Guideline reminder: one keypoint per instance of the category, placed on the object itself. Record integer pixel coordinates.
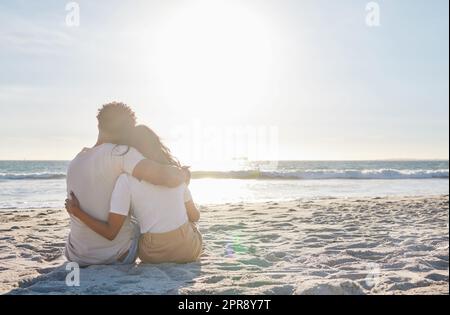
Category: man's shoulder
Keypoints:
(88, 155)
(115, 149)
(109, 148)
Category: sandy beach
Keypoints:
(327, 246)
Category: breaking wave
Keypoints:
(287, 175)
(326, 174)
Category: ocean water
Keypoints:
(41, 184)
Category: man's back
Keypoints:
(91, 177)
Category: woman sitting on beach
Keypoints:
(165, 216)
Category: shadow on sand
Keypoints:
(120, 279)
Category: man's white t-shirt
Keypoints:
(158, 209)
(91, 176)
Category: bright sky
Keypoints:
(311, 76)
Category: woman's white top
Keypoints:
(158, 209)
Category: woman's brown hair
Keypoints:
(146, 141)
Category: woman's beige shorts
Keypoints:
(182, 245)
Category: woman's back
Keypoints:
(158, 209)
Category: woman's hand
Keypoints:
(72, 205)
(108, 229)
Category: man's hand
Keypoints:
(72, 205)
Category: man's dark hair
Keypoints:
(117, 119)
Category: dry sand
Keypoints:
(328, 246)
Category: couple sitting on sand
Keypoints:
(129, 175)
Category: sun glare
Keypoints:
(213, 54)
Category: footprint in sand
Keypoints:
(45, 270)
(11, 256)
(340, 261)
(256, 262)
(443, 257)
(280, 290)
(437, 277)
(25, 255)
(438, 264)
(229, 267)
(28, 246)
(214, 279)
(277, 256)
(6, 238)
(366, 254)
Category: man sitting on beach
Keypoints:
(91, 177)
